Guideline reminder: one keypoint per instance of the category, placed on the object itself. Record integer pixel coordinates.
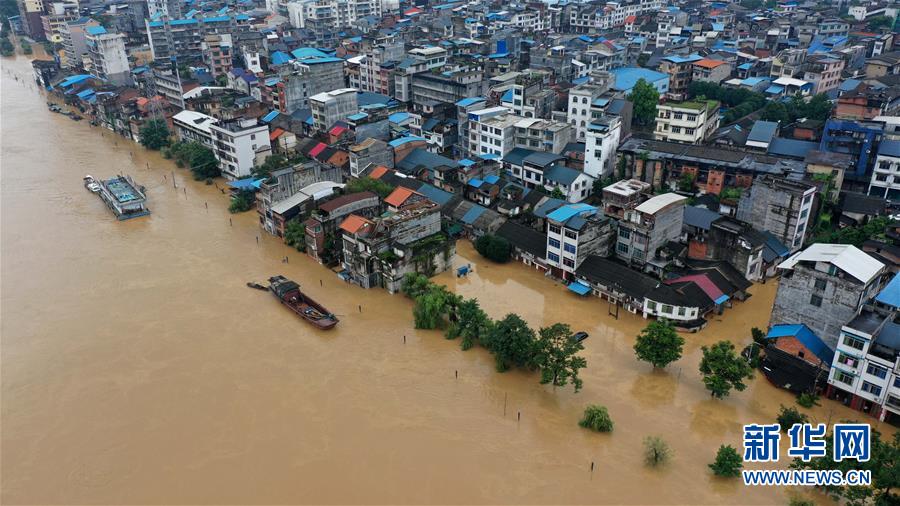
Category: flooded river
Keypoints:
(138, 369)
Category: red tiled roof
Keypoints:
(276, 134)
(338, 130)
(398, 196)
(378, 172)
(708, 63)
(318, 149)
(630, 19)
(354, 223)
(701, 280)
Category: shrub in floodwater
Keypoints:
(796, 501)
(656, 451)
(787, 417)
(596, 418)
(728, 462)
(808, 400)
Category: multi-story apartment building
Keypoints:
(648, 227)
(601, 140)
(686, 122)
(578, 114)
(217, 54)
(183, 38)
(376, 69)
(170, 9)
(865, 373)
(542, 134)
(330, 107)
(370, 152)
(30, 12)
(529, 95)
(885, 180)
(109, 60)
(467, 147)
(574, 232)
(680, 70)
(713, 71)
(331, 14)
(592, 16)
(825, 286)
(448, 87)
(304, 78)
(824, 72)
(74, 41)
(492, 131)
(239, 145)
(780, 205)
(58, 15)
(668, 23)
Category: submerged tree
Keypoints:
(493, 247)
(295, 235)
(154, 134)
(659, 344)
(656, 451)
(512, 342)
(471, 324)
(728, 463)
(723, 369)
(596, 418)
(555, 356)
(414, 284)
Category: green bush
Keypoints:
(493, 248)
(656, 451)
(788, 416)
(596, 418)
(728, 462)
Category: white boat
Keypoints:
(93, 187)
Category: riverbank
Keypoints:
(156, 376)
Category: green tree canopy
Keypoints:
(659, 344)
(414, 284)
(197, 157)
(788, 416)
(295, 234)
(723, 369)
(728, 463)
(376, 186)
(154, 134)
(556, 356)
(471, 323)
(512, 342)
(656, 451)
(493, 247)
(596, 418)
(644, 97)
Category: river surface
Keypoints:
(138, 369)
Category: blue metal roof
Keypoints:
(302, 53)
(358, 116)
(473, 214)
(891, 293)
(475, 182)
(246, 184)
(565, 212)
(627, 77)
(508, 96)
(280, 58)
(489, 156)
(578, 288)
(806, 336)
(763, 131)
(85, 93)
(398, 117)
(435, 194)
(465, 162)
(466, 102)
(492, 179)
(96, 30)
(270, 116)
(775, 89)
(69, 81)
(403, 140)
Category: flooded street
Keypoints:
(138, 369)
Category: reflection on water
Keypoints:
(137, 368)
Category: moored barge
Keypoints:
(289, 293)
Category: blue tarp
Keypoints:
(891, 293)
(246, 184)
(579, 288)
(721, 300)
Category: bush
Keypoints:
(596, 418)
(787, 417)
(656, 451)
(808, 400)
(242, 202)
(493, 248)
(728, 462)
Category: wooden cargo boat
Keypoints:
(289, 293)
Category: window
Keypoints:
(843, 377)
(815, 300)
(877, 371)
(571, 235)
(871, 388)
(554, 243)
(897, 382)
(666, 308)
(584, 100)
(568, 262)
(574, 111)
(622, 248)
(852, 342)
(681, 311)
(651, 305)
(821, 284)
(553, 257)
(555, 229)
(570, 248)
(847, 360)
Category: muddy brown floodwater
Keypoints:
(138, 369)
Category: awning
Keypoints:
(579, 288)
(721, 300)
